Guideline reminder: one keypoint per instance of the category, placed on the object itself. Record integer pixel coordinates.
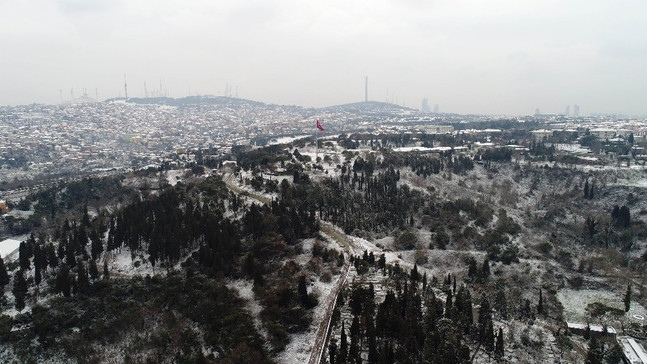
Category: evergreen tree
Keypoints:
(63, 283)
(343, 346)
(485, 269)
(381, 262)
(94, 270)
(97, 244)
(86, 217)
(52, 259)
(501, 303)
(332, 350)
(627, 298)
(499, 349)
(424, 282)
(587, 332)
(23, 256)
(485, 314)
(472, 269)
(40, 263)
(4, 276)
(106, 271)
(415, 276)
(488, 340)
(614, 355)
(540, 305)
(302, 290)
(372, 340)
(82, 281)
(586, 189)
(595, 354)
(19, 289)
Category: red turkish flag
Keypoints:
(319, 126)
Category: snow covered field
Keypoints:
(576, 301)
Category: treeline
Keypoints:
(415, 322)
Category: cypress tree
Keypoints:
(94, 270)
(614, 354)
(540, 305)
(499, 350)
(302, 293)
(472, 269)
(4, 276)
(485, 314)
(627, 298)
(63, 283)
(332, 350)
(485, 269)
(343, 346)
(106, 271)
(19, 289)
(83, 283)
(489, 337)
(23, 256)
(52, 259)
(97, 244)
(595, 354)
(372, 340)
(415, 276)
(501, 303)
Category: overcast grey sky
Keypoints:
(479, 56)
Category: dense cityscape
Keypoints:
(89, 137)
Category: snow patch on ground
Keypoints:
(245, 291)
(300, 347)
(575, 302)
(174, 176)
(122, 264)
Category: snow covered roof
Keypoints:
(8, 246)
(594, 328)
(634, 352)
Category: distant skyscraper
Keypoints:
(568, 110)
(436, 108)
(425, 106)
(366, 89)
(576, 110)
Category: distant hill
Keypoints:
(368, 107)
(192, 100)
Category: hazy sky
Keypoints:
(480, 56)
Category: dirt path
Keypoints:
(319, 346)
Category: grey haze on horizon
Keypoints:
(468, 56)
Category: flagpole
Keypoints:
(316, 144)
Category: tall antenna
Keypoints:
(366, 89)
(145, 90)
(125, 87)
